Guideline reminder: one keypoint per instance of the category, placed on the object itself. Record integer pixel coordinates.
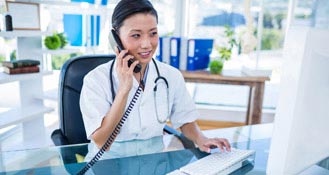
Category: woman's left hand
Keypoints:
(206, 144)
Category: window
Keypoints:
(207, 19)
(311, 13)
(166, 16)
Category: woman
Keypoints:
(108, 90)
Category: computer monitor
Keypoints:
(301, 124)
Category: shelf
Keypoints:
(6, 78)
(83, 8)
(61, 51)
(49, 95)
(24, 33)
(71, 7)
(20, 115)
(69, 50)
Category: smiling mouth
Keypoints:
(145, 54)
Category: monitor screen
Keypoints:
(301, 125)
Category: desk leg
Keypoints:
(250, 106)
(258, 95)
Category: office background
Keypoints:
(191, 19)
(194, 19)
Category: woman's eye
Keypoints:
(154, 33)
(135, 35)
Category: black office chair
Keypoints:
(72, 130)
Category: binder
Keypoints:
(165, 50)
(198, 54)
(94, 29)
(174, 51)
(183, 54)
(78, 28)
(74, 29)
(159, 50)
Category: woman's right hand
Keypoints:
(125, 73)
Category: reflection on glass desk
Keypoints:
(50, 160)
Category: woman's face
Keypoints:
(139, 34)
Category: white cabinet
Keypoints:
(30, 46)
(31, 109)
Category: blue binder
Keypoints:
(95, 25)
(174, 51)
(104, 2)
(164, 49)
(198, 55)
(73, 28)
(159, 50)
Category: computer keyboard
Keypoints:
(218, 163)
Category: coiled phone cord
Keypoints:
(113, 135)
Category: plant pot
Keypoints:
(216, 66)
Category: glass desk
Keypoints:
(60, 160)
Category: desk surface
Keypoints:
(49, 160)
(227, 75)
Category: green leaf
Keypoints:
(225, 53)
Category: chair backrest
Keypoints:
(70, 84)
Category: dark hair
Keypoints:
(126, 8)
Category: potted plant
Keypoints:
(216, 66)
(225, 52)
(56, 41)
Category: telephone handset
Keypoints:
(138, 67)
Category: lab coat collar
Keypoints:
(115, 76)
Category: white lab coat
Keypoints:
(142, 123)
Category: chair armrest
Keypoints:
(58, 138)
(187, 143)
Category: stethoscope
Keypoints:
(160, 79)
